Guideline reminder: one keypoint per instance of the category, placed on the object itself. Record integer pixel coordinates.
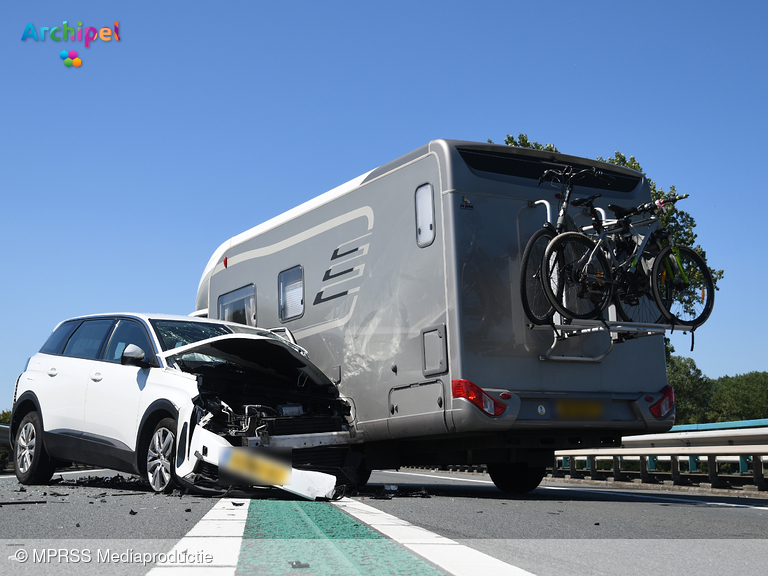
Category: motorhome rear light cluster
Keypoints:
(664, 406)
(478, 397)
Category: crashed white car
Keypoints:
(181, 401)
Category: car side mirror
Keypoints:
(133, 356)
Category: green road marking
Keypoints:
(316, 533)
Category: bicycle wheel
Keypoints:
(634, 300)
(535, 303)
(576, 277)
(683, 288)
(638, 308)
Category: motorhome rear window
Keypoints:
(239, 306)
(532, 168)
(291, 293)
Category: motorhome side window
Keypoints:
(290, 288)
(239, 306)
(425, 215)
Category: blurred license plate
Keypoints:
(576, 409)
(255, 467)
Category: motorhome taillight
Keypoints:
(478, 397)
(664, 405)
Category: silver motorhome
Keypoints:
(403, 286)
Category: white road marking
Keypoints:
(213, 544)
(600, 490)
(451, 556)
(665, 498)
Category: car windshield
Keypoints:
(176, 333)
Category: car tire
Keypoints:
(31, 461)
(516, 478)
(160, 453)
(363, 475)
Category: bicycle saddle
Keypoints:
(585, 201)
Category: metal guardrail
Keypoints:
(747, 440)
(744, 443)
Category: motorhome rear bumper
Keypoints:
(538, 411)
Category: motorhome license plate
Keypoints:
(578, 409)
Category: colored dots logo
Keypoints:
(70, 58)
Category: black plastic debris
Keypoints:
(298, 564)
(133, 512)
(389, 491)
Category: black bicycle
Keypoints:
(536, 304)
(634, 264)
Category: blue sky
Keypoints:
(121, 177)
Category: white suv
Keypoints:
(169, 397)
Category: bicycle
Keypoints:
(653, 278)
(536, 305)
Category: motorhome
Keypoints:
(402, 284)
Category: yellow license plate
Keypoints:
(256, 467)
(577, 409)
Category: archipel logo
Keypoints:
(68, 33)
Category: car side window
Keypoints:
(128, 332)
(59, 338)
(88, 339)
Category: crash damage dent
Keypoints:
(275, 399)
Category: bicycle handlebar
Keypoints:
(661, 204)
(570, 176)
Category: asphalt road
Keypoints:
(557, 529)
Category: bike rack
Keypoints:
(618, 330)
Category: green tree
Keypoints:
(740, 397)
(523, 142)
(693, 390)
(5, 417)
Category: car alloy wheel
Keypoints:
(160, 457)
(25, 447)
(31, 461)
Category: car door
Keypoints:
(114, 391)
(62, 399)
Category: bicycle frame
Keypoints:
(604, 242)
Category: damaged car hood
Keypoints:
(248, 353)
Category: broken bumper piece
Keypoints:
(213, 461)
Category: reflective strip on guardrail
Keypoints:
(751, 441)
